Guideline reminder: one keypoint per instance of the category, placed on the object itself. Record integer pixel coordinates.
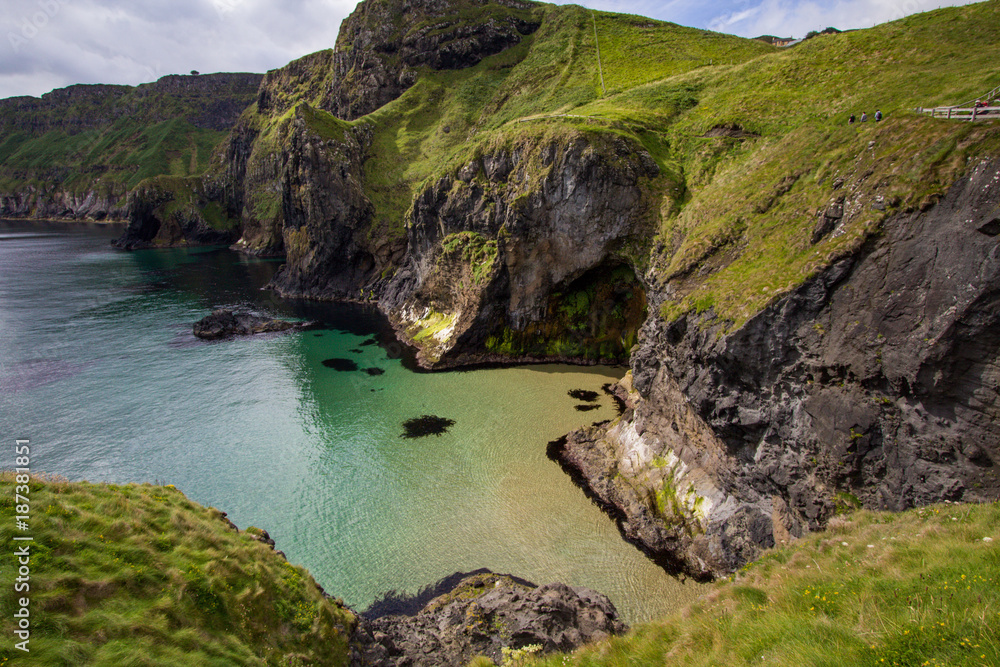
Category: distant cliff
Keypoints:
(77, 151)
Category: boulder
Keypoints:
(224, 323)
(483, 614)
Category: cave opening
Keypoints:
(593, 317)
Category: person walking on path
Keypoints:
(850, 121)
(878, 116)
(864, 117)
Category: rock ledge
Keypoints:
(483, 614)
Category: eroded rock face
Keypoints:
(169, 212)
(483, 614)
(879, 379)
(58, 204)
(526, 222)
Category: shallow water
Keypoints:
(99, 369)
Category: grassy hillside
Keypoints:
(140, 575)
(741, 204)
(123, 154)
(449, 116)
(752, 141)
(917, 588)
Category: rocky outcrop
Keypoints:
(170, 211)
(381, 45)
(223, 323)
(483, 614)
(57, 204)
(875, 382)
(509, 254)
(306, 202)
(211, 101)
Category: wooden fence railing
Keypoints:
(971, 113)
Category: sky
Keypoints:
(47, 44)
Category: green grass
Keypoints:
(450, 117)
(475, 250)
(916, 588)
(636, 50)
(735, 213)
(140, 575)
(740, 210)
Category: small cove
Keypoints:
(101, 371)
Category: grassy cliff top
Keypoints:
(752, 140)
(917, 588)
(140, 575)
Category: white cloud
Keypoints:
(46, 44)
(725, 22)
(796, 17)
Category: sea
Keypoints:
(100, 370)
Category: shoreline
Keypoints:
(68, 221)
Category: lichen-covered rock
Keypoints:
(483, 614)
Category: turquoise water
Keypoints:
(100, 371)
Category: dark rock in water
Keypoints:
(374, 371)
(618, 395)
(587, 407)
(370, 341)
(225, 323)
(583, 395)
(418, 427)
(481, 615)
(318, 335)
(356, 351)
(344, 365)
(555, 447)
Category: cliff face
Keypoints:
(874, 383)
(76, 152)
(32, 201)
(210, 101)
(512, 257)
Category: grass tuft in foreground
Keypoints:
(140, 575)
(917, 588)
